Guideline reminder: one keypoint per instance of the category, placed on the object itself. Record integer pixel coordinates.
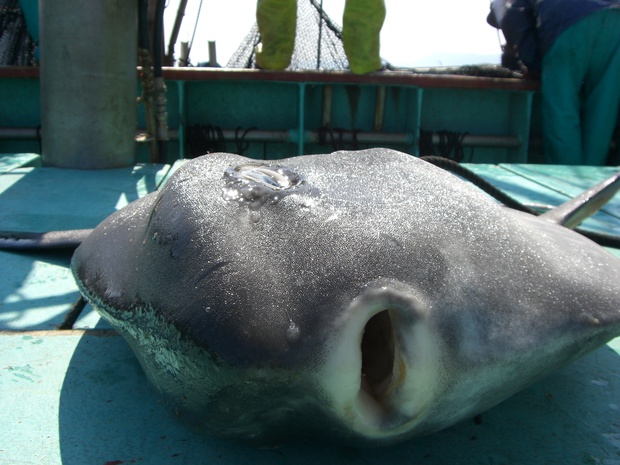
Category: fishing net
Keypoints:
(16, 46)
(318, 45)
(481, 70)
(245, 57)
(318, 42)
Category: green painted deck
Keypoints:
(79, 396)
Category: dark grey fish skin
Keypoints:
(367, 297)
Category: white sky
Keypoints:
(415, 32)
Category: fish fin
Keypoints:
(573, 212)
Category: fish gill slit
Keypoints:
(378, 354)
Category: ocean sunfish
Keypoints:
(367, 297)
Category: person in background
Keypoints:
(573, 46)
(362, 22)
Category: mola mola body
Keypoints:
(364, 296)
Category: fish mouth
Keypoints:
(378, 356)
(381, 369)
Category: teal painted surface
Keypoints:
(484, 113)
(298, 107)
(20, 108)
(80, 397)
(549, 185)
(40, 199)
(37, 290)
(21, 105)
(30, 8)
(11, 161)
(283, 106)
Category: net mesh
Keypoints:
(480, 70)
(318, 42)
(16, 46)
(318, 45)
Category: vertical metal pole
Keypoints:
(419, 95)
(213, 54)
(301, 118)
(183, 54)
(379, 108)
(326, 119)
(182, 118)
(161, 113)
(413, 101)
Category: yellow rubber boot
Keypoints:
(361, 28)
(277, 20)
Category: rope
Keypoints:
(478, 181)
(450, 144)
(338, 143)
(240, 142)
(203, 139)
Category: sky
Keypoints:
(416, 33)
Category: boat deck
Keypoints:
(79, 396)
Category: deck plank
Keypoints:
(43, 199)
(39, 290)
(11, 161)
(569, 180)
(551, 186)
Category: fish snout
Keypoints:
(381, 373)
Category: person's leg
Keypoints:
(361, 28)
(563, 68)
(276, 20)
(601, 86)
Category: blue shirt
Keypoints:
(534, 25)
